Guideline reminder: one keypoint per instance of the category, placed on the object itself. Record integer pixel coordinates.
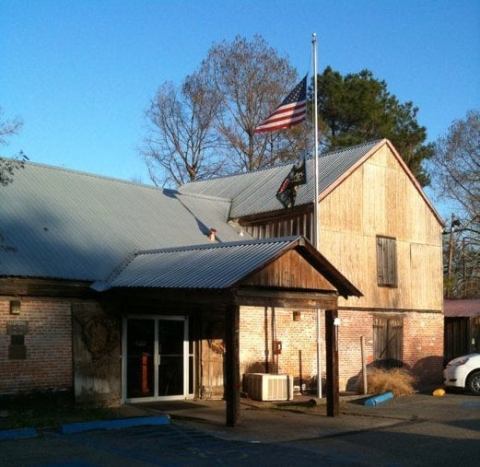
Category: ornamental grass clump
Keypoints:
(399, 381)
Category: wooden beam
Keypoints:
(282, 298)
(232, 364)
(35, 287)
(331, 343)
(173, 298)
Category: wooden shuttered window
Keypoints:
(388, 342)
(386, 261)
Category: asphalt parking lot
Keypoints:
(171, 445)
(417, 430)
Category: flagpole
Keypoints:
(316, 233)
(316, 236)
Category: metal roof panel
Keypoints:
(63, 224)
(211, 266)
(254, 192)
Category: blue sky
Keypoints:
(81, 73)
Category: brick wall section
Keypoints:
(423, 350)
(354, 324)
(49, 347)
(422, 344)
(298, 356)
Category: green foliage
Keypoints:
(8, 166)
(358, 107)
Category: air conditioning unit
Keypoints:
(266, 387)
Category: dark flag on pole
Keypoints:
(287, 192)
(290, 112)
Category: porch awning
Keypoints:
(216, 266)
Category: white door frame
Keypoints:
(186, 359)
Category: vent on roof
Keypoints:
(212, 234)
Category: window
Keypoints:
(386, 261)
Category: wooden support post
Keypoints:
(232, 364)
(364, 366)
(331, 344)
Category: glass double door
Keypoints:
(158, 359)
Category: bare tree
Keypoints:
(456, 176)
(251, 79)
(456, 165)
(462, 261)
(9, 128)
(181, 144)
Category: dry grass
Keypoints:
(399, 381)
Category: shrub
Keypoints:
(399, 381)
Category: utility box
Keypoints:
(267, 387)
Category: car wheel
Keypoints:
(473, 383)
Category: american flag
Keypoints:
(290, 112)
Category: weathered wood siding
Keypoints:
(380, 199)
(377, 199)
(96, 354)
(290, 271)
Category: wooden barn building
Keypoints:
(125, 292)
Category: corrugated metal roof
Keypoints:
(458, 308)
(254, 192)
(63, 224)
(211, 266)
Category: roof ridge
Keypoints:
(203, 196)
(207, 246)
(283, 164)
(94, 175)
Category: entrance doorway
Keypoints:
(157, 359)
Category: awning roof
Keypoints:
(462, 308)
(215, 266)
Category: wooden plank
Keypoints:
(379, 338)
(232, 370)
(173, 298)
(250, 296)
(33, 287)
(96, 350)
(380, 262)
(395, 341)
(392, 261)
(331, 344)
(290, 271)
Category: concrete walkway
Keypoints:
(267, 422)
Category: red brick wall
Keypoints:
(423, 350)
(298, 339)
(353, 325)
(422, 344)
(49, 347)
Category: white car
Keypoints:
(464, 372)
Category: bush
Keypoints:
(399, 381)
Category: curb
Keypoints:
(80, 427)
(18, 433)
